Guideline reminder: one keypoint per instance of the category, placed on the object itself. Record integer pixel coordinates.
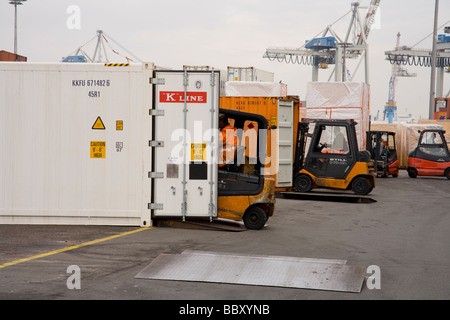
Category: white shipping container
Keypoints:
(77, 143)
(188, 187)
(223, 75)
(249, 74)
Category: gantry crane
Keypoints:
(100, 53)
(416, 57)
(390, 110)
(322, 51)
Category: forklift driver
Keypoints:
(339, 143)
(227, 141)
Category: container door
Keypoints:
(185, 140)
(285, 143)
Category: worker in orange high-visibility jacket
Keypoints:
(227, 140)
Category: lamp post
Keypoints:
(15, 3)
(433, 63)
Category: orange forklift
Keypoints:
(333, 159)
(431, 156)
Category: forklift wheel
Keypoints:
(302, 183)
(361, 186)
(255, 218)
(412, 173)
(447, 173)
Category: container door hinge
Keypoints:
(155, 206)
(156, 175)
(155, 144)
(157, 81)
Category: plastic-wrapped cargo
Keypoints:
(445, 125)
(340, 100)
(255, 89)
(407, 135)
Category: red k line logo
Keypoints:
(178, 97)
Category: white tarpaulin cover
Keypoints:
(255, 89)
(340, 100)
(337, 95)
(406, 136)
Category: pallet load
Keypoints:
(340, 101)
(407, 135)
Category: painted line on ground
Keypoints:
(46, 254)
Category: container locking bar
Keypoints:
(156, 175)
(157, 81)
(156, 112)
(155, 144)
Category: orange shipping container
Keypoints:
(8, 56)
(282, 115)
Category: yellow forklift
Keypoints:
(333, 159)
(245, 194)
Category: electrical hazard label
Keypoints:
(98, 124)
(198, 151)
(98, 149)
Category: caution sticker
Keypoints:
(198, 151)
(98, 124)
(98, 149)
(273, 121)
(119, 125)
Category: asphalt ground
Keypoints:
(405, 234)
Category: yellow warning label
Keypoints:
(198, 151)
(273, 121)
(119, 125)
(98, 124)
(98, 149)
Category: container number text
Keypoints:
(91, 83)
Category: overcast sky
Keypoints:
(173, 33)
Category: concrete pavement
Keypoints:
(405, 234)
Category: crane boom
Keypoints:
(393, 82)
(318, 53)
(368, 22)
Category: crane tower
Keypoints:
(323, 50)
(390, 110)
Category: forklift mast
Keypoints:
(302, 132)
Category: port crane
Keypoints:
(404, 55)
(100, 53)
(390, 109)
(321, 51)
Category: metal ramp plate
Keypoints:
(275, 271)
